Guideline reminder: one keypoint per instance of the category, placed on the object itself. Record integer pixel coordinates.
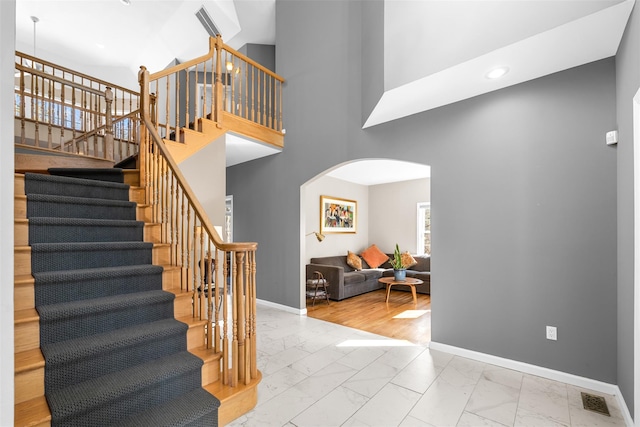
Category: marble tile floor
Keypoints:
(317, 373)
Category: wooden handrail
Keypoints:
(35, 72)
(184, 65)
(144, 77)
(190, 234)
(251, 62)
(72, 72)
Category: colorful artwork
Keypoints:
(337, 215)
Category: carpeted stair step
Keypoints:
(35, 183)
(108, 399)
(76, 319)
(54, 287)
(54, 230)
(68, 256)
(130, 162)
(75, 361)
(44, 205)
(99, 174)
(197, 408)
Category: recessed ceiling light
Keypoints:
(497, 72)
(126, 2)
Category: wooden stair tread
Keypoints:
(33, 412)
(23, 280)
(192, 321)
(206, 354)
(26, 316)
(28, 360)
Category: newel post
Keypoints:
(218, 86)
(108, 137)
(143, 79)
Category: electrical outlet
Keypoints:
(552, 333)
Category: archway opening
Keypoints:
(392, 202)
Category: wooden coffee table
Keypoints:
(409, 281)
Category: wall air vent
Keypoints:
(206, 21)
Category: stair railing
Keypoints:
(221, 276)
(220, 85)
(62, 110)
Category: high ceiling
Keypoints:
(112, 40)
(442, 49)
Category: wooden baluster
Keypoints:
(73, 112)
(238, 319)
(35, 109)
(202, 103)
(218, 85)
(254, 311)
(247, 321)
(63, 114)
(188, 245)
(280, 125)
(50, 115)
(225, 328)
(167, 113)
(108, 138)
(23, 113)
(252, 98)
(216, 319)
(96, 123)
(265, 99)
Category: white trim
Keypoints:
(636, 249)
(299, 312)
(539, 371)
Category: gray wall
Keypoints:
(523, 193)
(628, 83)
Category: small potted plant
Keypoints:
(399, 271)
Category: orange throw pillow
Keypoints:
(374, 256)
(354, 261)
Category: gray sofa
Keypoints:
(345, 282)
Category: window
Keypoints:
(424, 228)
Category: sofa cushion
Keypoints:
(335, 261)
(423, 263)
(354, 277)
(354, 261)
(374, 256)
(407, 260)
(372, 274)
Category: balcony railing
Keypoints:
(59, 109)
(220, 83)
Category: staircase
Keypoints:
(118, 320)
(102, 337)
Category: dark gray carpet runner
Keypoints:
(114, 354)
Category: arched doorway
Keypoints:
(390, 195)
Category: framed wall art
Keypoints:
(338, 215)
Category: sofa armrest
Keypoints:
(334, 276)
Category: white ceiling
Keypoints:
(445, 47)
(379, 171)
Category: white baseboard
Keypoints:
(299, 312)
(540, 372)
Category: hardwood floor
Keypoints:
(369, 312)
